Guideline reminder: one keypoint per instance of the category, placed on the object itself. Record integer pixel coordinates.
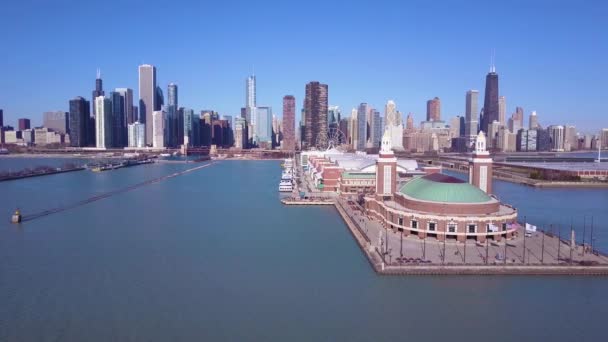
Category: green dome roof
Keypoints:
(438, 187)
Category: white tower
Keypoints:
(480, 165)
(386, 168)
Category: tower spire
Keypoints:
(493, 61)
(98, 73)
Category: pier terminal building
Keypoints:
(441, 206)
(417, 200)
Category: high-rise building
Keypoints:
(603, 141)
(570, 138)
(362, 111)
(263, 127)
(147, 98)
(433, 109)
(120, 133)
(557, 138)
(158, 129)
(103, 122)
(250, 92)
(56, 121)
(533, 121)
(526, 140)
(98, 89)
(172, 95)
(137, 133)
(409, 122)
(127, 95)
(1, 118)
(79, 121)
(470, 118)
(353, 128)
(502, 110)
(240, 133)
(333, 116)
(315, 107)
(490, 103)
(24, 124)
(377, 129)
(159, 102)
(289, 123)
(392, 124)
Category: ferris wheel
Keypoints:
(334, 138)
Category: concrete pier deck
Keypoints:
(390, 253)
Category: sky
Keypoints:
(551, 56)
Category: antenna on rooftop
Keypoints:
(98, 73)
(493, 61)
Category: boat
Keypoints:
(285, 186)
(287, 164)
(165, 155)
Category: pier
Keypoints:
(35, 173)
(389, 252)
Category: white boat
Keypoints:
(165, 155)
(288, 164)
(285, 186)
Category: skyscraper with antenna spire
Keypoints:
(490, 103)
(98, 89)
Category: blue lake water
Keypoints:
(213, 255)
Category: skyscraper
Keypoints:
(333, 116)
(409, 122)
(103, 122)
(263, 127)
(433, 109)
(119, 120)
(289, 123)
(250, 92)
(533, 121)
(470, 129)
(490, 102)
(362, 111)
(1, 118)
(127, 95)
(24, 124)
(56, 121)
(172, 95)
(159, 102)
(98, 89)
(79, 120)
(391, 115)
(158, 129)
(147, 98)
(502, 110)
(315, 107)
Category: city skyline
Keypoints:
(547, 81)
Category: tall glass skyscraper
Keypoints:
(362, 111)
(490, 103)
(79, 121)
(98, 89)
(119, 120)
(470, 118)
(147, 98)
(127, 95)
(250, 92)
(172, 95)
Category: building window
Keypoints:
(452, 228)
(488, 228)
(401, 221)
(472, 228)
(432, 226)
(504, 226)
(414, 224)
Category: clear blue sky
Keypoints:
(552, 56)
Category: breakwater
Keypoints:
(33, 216)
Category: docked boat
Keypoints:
(285, 186)
(165, 155)
(287, 164)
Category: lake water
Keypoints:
(213, 255)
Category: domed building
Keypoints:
(442, 206)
